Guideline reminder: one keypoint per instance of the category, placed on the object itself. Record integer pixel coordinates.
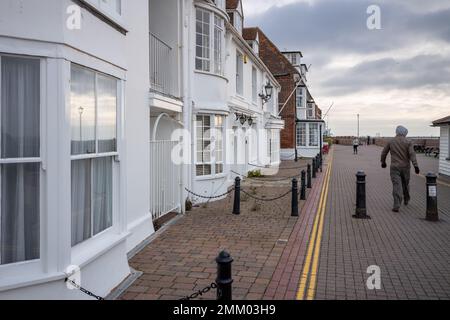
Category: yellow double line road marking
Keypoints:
(312, 256)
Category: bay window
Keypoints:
(238, 22)
(313, 134)
(218, 32)
(301, 134)
(20, 159)
(209, 144)
(239, 73)
(254, 85)
(93, 148)
(209, 38)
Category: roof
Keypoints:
(232, 4)
(250, 34)
(442, 121)
(301, 54)
(279, 66)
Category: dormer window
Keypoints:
(237, 22)
(220, 4)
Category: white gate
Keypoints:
(165, 179)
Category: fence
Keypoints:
(163, 67)
(165, 179)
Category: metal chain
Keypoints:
(200, 293)
(85, 291)
(213, 197)
(292, 168)
(267, 200)
(264, 179)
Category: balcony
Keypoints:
(163, 68)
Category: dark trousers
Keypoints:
(355, 149)
(400, 185)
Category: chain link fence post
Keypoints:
(303, 187)
(309, 177)
(294, 204)
(237, 196)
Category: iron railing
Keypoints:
(165, 179)
(163, 67)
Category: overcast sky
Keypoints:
(397, 75)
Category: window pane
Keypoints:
(20, 107)
(82, 110)
(107, 113)
(102, 194)
(81, 201)
(19, 213)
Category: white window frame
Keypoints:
(275, 146)
(310, 111)
(212, 55)
(213, 146)
(316, 134)
(218, 45)
(80, 247)
(238, 21)
(299, 98)
(106, 10)
(254, 85)
(239, 73)
(31, 267)
(302, 131)
(220, 4)
(205, 58)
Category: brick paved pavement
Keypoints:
(413, 254)
(182, 258)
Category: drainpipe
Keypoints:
(187, 89)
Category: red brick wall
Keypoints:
(284, 72)
(288, 113)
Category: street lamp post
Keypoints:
(358, 125)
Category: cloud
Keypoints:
(357, 67)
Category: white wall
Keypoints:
(444, 164)
(39, 28)
(137, 128)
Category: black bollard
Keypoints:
(237, 196)
(309, 177)
(432, 204)
(314, 168)
(318, 163)
(294, 204)
(361, 209)
(224, 277)
(303, 188)
(321, 162)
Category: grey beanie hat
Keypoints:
(401, 131)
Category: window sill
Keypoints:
(18, 282)
(207, 73)
(104, 16)
(86, 252)
(207, 178)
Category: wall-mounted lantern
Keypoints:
(267, 95)
(242, 118)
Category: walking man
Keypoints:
(402, 155)
(355, 145)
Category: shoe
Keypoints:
(396, 210)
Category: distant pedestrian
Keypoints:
(402, 155)
(355, 145)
